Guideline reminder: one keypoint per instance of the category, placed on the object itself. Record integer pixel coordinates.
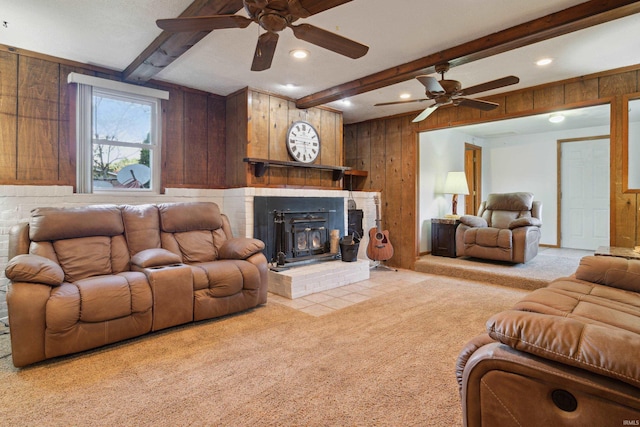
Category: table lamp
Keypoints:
(456, 183)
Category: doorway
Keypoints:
(583, 196)
(473, 171)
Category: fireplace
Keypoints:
(297, 229)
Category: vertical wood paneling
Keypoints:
(8, 113)
(521, 101)
(378, 141)
(196, 139)
(363, 130)
(236, 137)
(216, 169)
(173, 139)
(618, 84)
(329, 146)
(392, 192)
(258, 144)
(38, 88)
(581, 90)
(408, 222)
(278, 127)
(548, 97)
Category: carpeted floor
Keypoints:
(549, 264)
(387, 361)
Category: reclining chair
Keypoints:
(507, 228)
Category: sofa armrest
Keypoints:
(155, 257)
(607, 351)
(610, 271)
(240, 248)
(525, 222)
(34, 269)
(473, 221)
(471, 347)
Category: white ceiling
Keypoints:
(113, 33)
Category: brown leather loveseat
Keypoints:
(507, 228)
(90, 276)
(565, 355)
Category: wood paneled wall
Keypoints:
(374, 146)
(257, 125)
(36, 143)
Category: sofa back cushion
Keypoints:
(500, 209)
(192, 230)
(84, 241)
(141, 227)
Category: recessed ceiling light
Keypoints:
(556, 118)
(299, 53)
(346, 102)
(290, 86)
(405, 95)
(544, 61)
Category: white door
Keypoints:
(585, 194)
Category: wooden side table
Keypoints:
(443, 236)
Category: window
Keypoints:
(118, 135)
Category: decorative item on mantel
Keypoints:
(456, 183)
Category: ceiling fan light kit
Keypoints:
(451, 92)
(274, 16)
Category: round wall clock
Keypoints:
(303, 142)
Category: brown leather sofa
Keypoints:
(90, 276)
(507, 228)
(565, 355)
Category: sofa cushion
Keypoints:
(611, 271)
(510, 202)
(65, 223)
(142, 227)
(84, 257)
(181, 217)
(489, 237)
(34, 269)
(196, 246)
(156, 257)
(240, 248)
(96, 300)
(525, 222)
(608, 351)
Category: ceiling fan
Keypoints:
(273, 16)
(445, 92)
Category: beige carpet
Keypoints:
(549, 264)
(388, 361)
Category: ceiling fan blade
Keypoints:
(476, 103)
(425, 113)
(399, 102)
(494, 84)
(432, 85)
(311, 7)
(203, 23)
(265, 49)
(330, 41)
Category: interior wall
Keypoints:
(517, 163)
(441, 151)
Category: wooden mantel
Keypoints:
(261, 165)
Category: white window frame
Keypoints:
(86, 87)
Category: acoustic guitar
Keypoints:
(379, 248)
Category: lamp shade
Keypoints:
(456, 183)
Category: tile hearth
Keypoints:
(381, 282)
(309, 279)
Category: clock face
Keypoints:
(303, 142)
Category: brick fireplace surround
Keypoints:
(16, 202)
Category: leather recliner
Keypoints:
(507, 228)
